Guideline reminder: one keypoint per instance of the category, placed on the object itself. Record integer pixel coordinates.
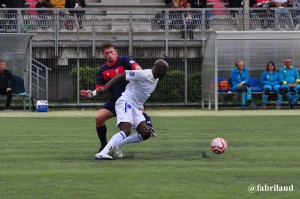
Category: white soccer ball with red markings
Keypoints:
(218, 145)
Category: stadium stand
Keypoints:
(125, 3)
(221, 19)
(33, 11)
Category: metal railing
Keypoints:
(40, 79)
(69, 40)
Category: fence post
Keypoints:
(246, 14)
(185, 59)
(130, 35)
(78, 63)
(94, 36)
(167, 32)
(56, 23)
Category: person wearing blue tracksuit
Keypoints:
(239, 82)
(270, 82)
(289, 79)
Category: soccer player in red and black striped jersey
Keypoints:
(114, 65)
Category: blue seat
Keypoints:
(19, 91)
(220, 79)
(254, 83)
(20, 87)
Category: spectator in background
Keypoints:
(296, 13)
(7, 83)
(239, 82)
(12, 14)
(289, 79)
(4, 3)
(281, 13)
(42, 13)
(168, 2)
(176, 20)
(189, 21)
(201, 4)
(270, 81)
(62, 14)
(266, 16)
(42, 4)
(235, 4)
(179, 3)
(17, 3)
(79, 13)
(57, 3)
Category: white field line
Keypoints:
(156, 113)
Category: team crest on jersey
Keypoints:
(131, 74)
(131, 61)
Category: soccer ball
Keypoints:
(218, 145)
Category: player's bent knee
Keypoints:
(100, 121)
(145, 135)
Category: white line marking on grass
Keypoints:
(153, 112)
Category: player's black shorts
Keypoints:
(110, 105)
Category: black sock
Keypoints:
(102, 135)
(148, 120)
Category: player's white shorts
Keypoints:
(128, 113)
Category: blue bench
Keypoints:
(254, 82)
(255, 88)
(19, 92)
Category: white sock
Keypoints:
(134, 138)
(113, 142)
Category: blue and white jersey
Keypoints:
(141, 85)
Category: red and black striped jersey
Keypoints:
(110, 70)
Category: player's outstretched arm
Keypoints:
(113, 81)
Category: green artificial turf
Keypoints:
(54, 158)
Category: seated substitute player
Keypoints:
(289, 79)
(240, 83)
(129, 115)
(270, 82)
(114, 65)
(7, 84)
